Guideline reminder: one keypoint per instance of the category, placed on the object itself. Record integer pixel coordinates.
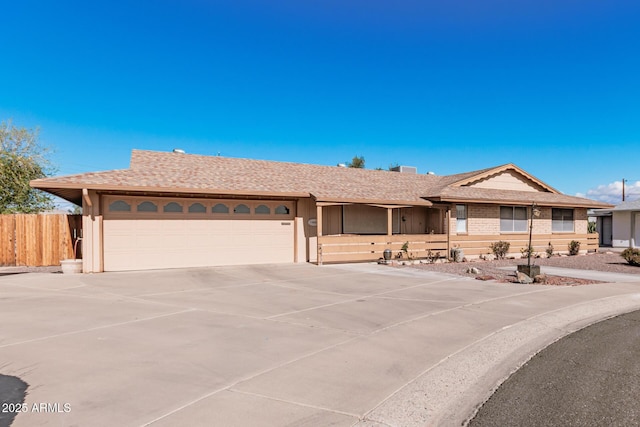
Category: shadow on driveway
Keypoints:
(12, 393)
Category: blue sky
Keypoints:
(447, 86)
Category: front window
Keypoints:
(513, 219)
(461, 218)
(561, 220)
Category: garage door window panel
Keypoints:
(262, 210)
(147, 207)
(119, 206)
(172, 207)
(241, 209)
(220, 208)
(197, 208)
(282, 210)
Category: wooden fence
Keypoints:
(479, 245)
(370, 248)
(353, 248)
(37, 240)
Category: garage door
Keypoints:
(148, 233)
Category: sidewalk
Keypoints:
(602, 276)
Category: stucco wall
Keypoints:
(621, 229)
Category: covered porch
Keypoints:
(348, 232)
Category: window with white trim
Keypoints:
(513, 219)
(561, 220)
(461, 218)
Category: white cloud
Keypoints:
(612, 193)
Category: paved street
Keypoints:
(590, 378)
(278, 345)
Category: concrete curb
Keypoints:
(450, 392)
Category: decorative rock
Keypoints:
(485, 277)
(473, 270)
(523, 278)
(540, 278)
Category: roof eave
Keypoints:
(386, 202)
(594, 205)
(55, 188)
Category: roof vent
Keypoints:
(431, 173)
(405, 169)
(178, 150)
(341, 165)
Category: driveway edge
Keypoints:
(451, 392)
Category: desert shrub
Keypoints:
(528, 252)
(574, 247)
(404, 251)
(500, 249)
(632, 256)
(432, 257)
(549, 250)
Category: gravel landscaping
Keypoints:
(490, 270)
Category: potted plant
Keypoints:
(72, 266)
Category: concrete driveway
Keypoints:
(277, 345)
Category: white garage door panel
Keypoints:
(131, 244)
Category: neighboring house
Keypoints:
(181, 210)
(619, 227)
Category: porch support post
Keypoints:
(389, 221)
(319, 232)
(448, 226)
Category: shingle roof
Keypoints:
(474, 194)
(633, 205)
(164, 172)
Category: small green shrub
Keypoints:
(632, 256)
(591, 227)
(549, 250)
(500, 249)
(404, 251)
(574, 247)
